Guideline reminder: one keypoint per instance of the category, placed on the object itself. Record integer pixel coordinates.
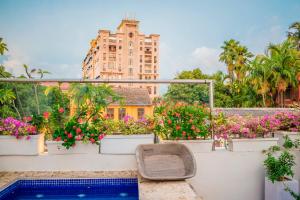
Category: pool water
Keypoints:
(61, 189)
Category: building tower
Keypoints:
(126, 54)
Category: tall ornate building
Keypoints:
(126, 54)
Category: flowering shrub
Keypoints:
(77, 130)
(288, 121)
(237, 126)
(17, 128)
(182, 121)
(127, 126)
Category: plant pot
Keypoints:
(195, 146)
(255, 144)
(10, 145)
(292, 135)
(56, 148)
(124, 144)
(275, 191)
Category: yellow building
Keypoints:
(137, 104)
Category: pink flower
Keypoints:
(46, 115)
(70, 135)
(61, 110)
(92, 140)
(28, 137)
(78, 130)
(78, 137)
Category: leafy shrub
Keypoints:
(77, 130)
(182, 121)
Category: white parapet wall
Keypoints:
(221, 174)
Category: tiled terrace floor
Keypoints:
(148, 190)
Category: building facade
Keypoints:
(126, 54)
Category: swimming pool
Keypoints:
(62, 189)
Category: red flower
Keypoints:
(189, 137)
(78, 137)
(58, 139)
(191, 121)
(92, 140)
(70, 135)
(177, 114)
(65, 140)
(46, 115)
(183, 133)
(101, 136)
(80, 120)
(66, 133)
(178, 127)
(74, 127)
(61, 110)
(92, 135)
(169, 121)
(78, 130)
(193, 127)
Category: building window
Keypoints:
(130, 35)
(141, 48)
(130, 62)
(130, 43)
(141, 69)
(149, 90)
(154, 43)
(130, 52)
(141, 43)
(154, 49)
(130, 71)
(122, 113)
(110, 113)
(141, 113)
(154, 90)
(120, 47)
(141, 77)
(154, 77)
(104, 56)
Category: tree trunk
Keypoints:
(14, 105)
(37, 99)
(264, 100)
(19, 101)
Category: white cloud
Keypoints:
(14, 61)
(207, 59)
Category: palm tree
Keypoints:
(3, 47)
(282, 59)
(294, 33)
(228, 56)
(90, 99)
(236, 57)
(259, 76)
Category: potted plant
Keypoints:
(289, 125)
(250, 133)
(279, 182)
(77, 137)
(186, 124)
(81, 132)
(123, 136)
(19, 137)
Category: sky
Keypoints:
(54, 34)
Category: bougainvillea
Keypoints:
(17, 128)
(288, 121)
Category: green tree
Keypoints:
(3, 47)
(283, 62)
(294, 33)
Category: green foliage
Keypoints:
(182, 121)
(89, 100)
(75, 130)
(278, 169)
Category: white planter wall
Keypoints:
(10, 145)
(56, 148)
(196, 146)
(292, 135)
(255, 144)
(275, 191)
(124, 144)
